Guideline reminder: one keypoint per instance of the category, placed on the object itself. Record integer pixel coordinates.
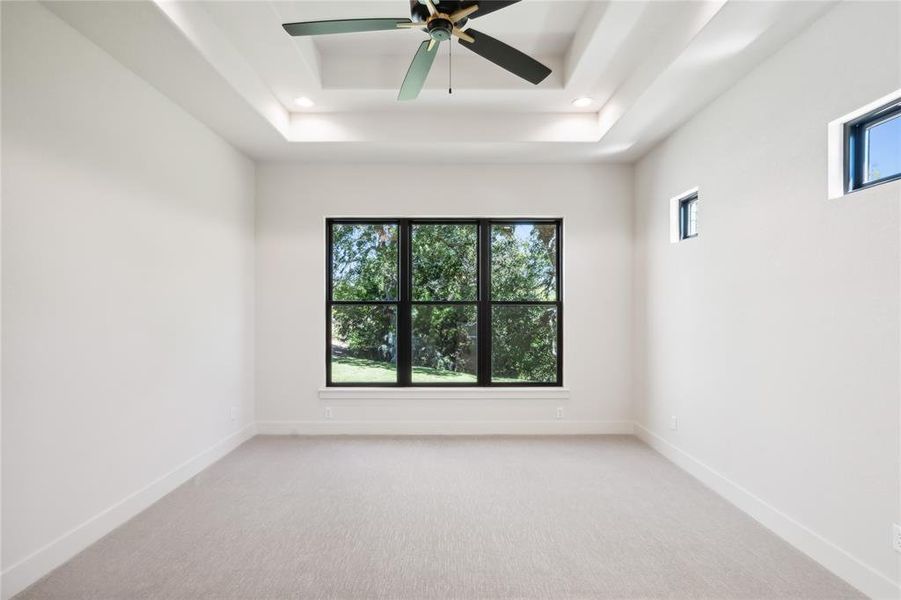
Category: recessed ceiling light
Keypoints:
(304, 102)
(582, 102)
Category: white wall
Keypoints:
(127, 293)
(128, 296)
(292, 203)
(774, 336)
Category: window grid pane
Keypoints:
(364, 261)
(688, 217)
(883, 149)
(693, 218)
(445, 261)
(364, 343)
(445, 343)
(524, 344)
(524, 261)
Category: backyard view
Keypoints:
(443, 311)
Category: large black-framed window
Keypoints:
(444, 302)
(873, 148)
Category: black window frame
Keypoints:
(855, 147)
(405, 302)
(684, 206)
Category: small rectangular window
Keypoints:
(873, 148)
(688, 217)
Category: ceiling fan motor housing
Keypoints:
(419, 12)
(440, 29)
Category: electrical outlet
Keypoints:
(674, 423)
(559, 412)
(896, 537)
(328, 412)
(233, 413)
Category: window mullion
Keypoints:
(328, 303)
(484, 341)
(559, 267)
(404, 318)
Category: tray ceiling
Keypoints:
(647, 66)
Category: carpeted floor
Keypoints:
(436, 517)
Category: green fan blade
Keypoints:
(418, 71)
(343, 26)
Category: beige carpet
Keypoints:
(418, 518)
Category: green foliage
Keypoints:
(523, 262)
(445, 262)
(524, 343)
(444, 337)
(365, 331)
(364, 262)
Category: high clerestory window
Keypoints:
(873, 147)
(688, 216)
(423, 302)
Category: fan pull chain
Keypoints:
(450, 67)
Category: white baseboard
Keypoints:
(338, 427)
(848, 567)
(30, 569)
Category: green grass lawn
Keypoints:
(361, 370)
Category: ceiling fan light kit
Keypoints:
(441, 20)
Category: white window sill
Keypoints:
(443, 393)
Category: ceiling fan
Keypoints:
(440, 20)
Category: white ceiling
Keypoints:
(647, 65)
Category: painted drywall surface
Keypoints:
(292, 204)
(127, 283)
(774, 336)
